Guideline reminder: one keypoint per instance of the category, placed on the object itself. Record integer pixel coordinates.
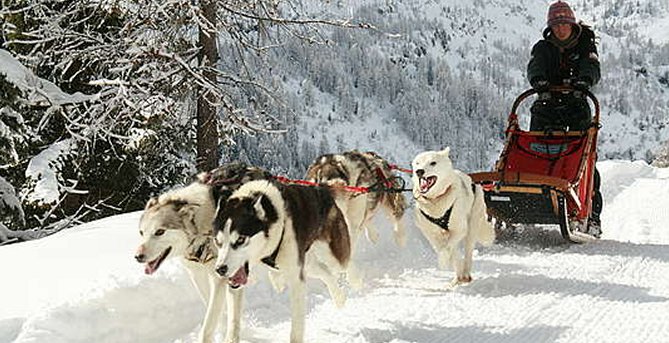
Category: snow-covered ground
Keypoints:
(82, 285)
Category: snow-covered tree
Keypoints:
(138, 72)
(661, 158)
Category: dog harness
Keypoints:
(442, 221)
(270, 260)
(201, 249)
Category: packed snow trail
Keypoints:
(82, 285)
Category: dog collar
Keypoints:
(270, 260)
(442, 222)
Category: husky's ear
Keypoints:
(257, 206)
(183, 207)
(152, 202)
(203, 177)
(264, 209)
(446, 151)
(256, 173)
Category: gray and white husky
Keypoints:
(362, 169)
(179, 224)
(297, 231)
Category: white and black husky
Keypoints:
(297, 231)
(179, 224)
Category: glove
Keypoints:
(582, 84)
(540, 85)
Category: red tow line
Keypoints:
(387, 182)
(353, 189)
(396, 167)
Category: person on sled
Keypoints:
(567, 55)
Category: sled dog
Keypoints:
(354, 168)
(450, 212)
(297, 231)
(179, 224)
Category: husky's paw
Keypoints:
(459, 281)
(372, 234)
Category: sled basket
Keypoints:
(543, 177)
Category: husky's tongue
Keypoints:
(152, 266)
(426, 183)
(240, 278)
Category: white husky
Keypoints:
(297, 231)
(450, 212)
(179, 224)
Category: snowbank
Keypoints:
(82, 285)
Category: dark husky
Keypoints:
(297, 231)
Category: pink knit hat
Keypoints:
(560, 13)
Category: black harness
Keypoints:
(442, 221)
(270, 260)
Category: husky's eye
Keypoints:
(159, 232)
(433, 163)
(141, 233)
(240, 241)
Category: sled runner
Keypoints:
(544, 177)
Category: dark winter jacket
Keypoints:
(578, 60)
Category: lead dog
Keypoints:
(296, 231)
(354, 168)
(179, 224)
(450, 212)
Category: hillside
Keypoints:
(444, 73)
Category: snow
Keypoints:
(8, 198)
(40, 92)
(82, 285)
(42, 170)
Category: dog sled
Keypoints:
(544, 177)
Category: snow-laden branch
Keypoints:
(278, 20)
(43, 170)
(105, 82)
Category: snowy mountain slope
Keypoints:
(82, 285)
(445, 73)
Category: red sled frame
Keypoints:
(544, 177)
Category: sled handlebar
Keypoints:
(558, 89)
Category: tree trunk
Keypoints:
(207, 118)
